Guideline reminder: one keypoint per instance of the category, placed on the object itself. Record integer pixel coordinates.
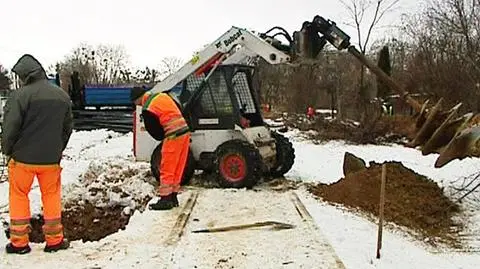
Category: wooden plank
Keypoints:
(178, 228)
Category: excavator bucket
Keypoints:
(438, 130)
(431, 123)
(465, 144)
(445, 133)
(422, 116)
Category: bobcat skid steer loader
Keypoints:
(230, 139)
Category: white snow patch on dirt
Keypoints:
(112, 182)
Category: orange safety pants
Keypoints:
(173, 161)
(21, 177)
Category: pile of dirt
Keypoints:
(411, 200)
(107, 196)
(86, 223)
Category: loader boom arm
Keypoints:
(340, 40)
(234, 46)
(392, 84)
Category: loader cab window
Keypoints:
(216, 100)
(213, 109)
(242, 93)
(245, 100)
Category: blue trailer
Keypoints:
(111, 96)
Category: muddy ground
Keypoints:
(85, 223)
(411, 200)
(108, 195)
(386, 129)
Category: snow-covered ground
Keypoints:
(352, 236)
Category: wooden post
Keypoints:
(382, 207)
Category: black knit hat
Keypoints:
(136, 92)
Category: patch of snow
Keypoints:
(274, 123)
(112, 182)
(325, 111)
(300, 247)
(355, 240)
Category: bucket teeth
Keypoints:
(432, 122)
(461, 146)
(445, 133)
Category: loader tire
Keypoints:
(237, 164)
(285, 156)
(156, 157)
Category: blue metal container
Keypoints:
(107, 95)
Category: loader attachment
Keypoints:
(438, 130)
(465, 144)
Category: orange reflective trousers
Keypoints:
(173, 161)
(21, 179)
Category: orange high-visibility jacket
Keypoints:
(162, 116)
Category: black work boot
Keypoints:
(64, 244)
(11, 249)
(164, 203)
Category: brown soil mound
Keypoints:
(411, 200)
(86, 223)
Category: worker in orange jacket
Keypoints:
(36, 129)
(164, 121)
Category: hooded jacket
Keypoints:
(37, 117)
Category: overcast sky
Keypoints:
(149, 29)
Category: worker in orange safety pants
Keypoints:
(164, 121)
(36, 129)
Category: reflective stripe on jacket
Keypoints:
(169, 116)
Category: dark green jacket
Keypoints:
(37, 120)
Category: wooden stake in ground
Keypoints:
(382, 207)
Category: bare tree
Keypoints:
(460, 19)
(103, 64)
(445, 59)
(168, 66)
(4, 80)
(358, 13)
(144, 76)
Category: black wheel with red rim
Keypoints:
(285, 157)
(238, 164)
